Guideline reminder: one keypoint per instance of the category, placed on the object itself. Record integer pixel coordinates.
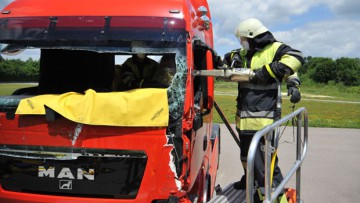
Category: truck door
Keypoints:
(203, 114)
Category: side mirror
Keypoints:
(11, 50)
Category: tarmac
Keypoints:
(329, 173)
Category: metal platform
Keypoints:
(229, 195)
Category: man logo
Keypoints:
(65, 184)
(65, 172)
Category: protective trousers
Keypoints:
(259, 162)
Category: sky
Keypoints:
(318, 28)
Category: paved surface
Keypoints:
(330, 172)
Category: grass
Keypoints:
(334, 106)
(9, 88)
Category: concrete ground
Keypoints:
(330, 172)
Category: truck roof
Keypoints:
(187, 10)
(28, 8)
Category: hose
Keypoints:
(272, 166)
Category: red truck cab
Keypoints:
(74, 138)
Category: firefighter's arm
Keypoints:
(287, 62)
(286, 67)
(128, 77)
(231, 60)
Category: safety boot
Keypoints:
(240, 185)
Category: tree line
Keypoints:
(325, 70)
(319, 69)
(16, 70)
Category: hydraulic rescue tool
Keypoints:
(234, 74)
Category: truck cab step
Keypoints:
(229, 195)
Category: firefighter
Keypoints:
(139, 71)
(271, 62)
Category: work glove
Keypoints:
(233, 59)
(261, 76)
(294, 92)
(218, 62)
(236, 61)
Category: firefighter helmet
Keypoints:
(250, 28)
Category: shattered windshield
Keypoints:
(106, 54)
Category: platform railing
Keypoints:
(301, 149)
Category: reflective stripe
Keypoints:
(270, 71)
(295, 53)
(262, 114)
(258, 86)
(253, 123)
(291, 77)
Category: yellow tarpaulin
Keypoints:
(140, 107)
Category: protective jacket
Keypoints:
(136, 73)
(256, 102)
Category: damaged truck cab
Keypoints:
(77, 135)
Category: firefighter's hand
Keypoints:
(261, 76)
(227, 60)
(233, 59)
(236, 61)
(294, 93)
(218, 62)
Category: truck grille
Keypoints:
(72, 171)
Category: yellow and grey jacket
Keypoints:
(256, 103)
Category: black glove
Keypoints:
(218, 62)
(233, 58)
(293, 85)
(236, 61)
(261, 76)
(227, 59)
(295, 94)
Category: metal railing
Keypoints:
(267, 133)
